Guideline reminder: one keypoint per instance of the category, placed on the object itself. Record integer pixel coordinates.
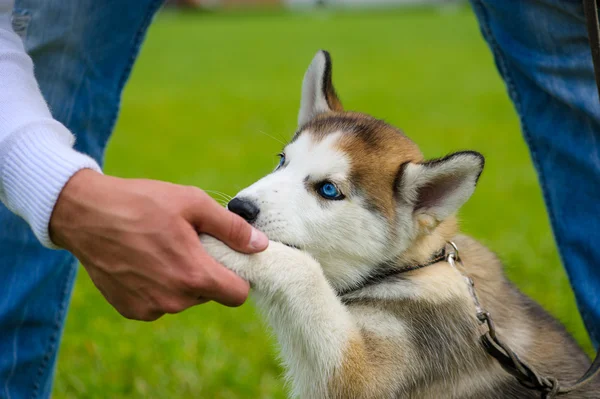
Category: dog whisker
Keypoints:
(274, 138)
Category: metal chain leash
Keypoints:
(548, 386)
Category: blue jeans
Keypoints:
(83, 51)
(542, 52)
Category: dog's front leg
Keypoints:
(321, 345)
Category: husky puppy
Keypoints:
(351, 199)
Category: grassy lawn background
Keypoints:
(206, 94)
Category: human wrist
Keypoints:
(73, 204)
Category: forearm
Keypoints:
(36, 154)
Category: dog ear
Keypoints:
(318, 94)
(438, 188)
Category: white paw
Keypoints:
(230, 258)
(278, 262)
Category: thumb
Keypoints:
(211, 218)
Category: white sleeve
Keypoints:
(36, 152)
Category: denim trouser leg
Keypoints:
(83, 51)
(542, 52)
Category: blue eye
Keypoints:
(281, 160)
(328, 190)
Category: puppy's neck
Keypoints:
(428, 243)
(345, 273)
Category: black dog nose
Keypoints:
(245, 208)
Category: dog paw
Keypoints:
(275, 264)
(230, 258)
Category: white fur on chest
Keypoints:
(311, 324)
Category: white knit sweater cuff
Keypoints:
(35, 164)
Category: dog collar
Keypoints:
(385, 273)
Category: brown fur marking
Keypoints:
(365, 139)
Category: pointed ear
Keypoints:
(318, 94)
(440, 187)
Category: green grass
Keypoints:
(206, 94)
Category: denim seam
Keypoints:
(514, 94)
(134, 51)
(20, 21)
(55, 336)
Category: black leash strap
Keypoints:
(548, 386)
(527, 376)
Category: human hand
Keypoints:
(138, 240)
(269, 271)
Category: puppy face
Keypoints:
(350, 189)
